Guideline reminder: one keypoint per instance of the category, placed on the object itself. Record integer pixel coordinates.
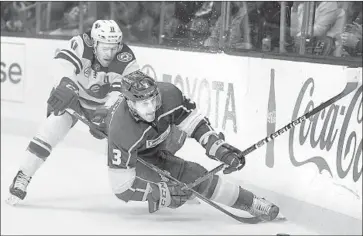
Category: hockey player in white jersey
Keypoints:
(88, 79)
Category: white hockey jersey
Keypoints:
(97, 84)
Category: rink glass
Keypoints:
(237, 28)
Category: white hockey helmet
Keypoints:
(106, 31)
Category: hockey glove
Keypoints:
(216, 148)
(100, 131)
(167, 194)
(64, 96)
(99, 118)
(100, 114)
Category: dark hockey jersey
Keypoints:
(130, 138)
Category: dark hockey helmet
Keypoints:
(138, 86)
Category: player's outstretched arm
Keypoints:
(190, 120)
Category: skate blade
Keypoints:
(13, 200)
(279, 218)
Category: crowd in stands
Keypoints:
(337, 28)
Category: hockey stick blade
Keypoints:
(250, 220)
(349, 87)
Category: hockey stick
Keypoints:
(252, 220)
(249, 220)
(349, 87)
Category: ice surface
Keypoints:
(70, 194)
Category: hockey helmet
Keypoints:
(106, 31)
(138, 86)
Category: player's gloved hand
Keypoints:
(218, 149)
(64, 96)
(99, 119)
(100, 114)
(100, 132)
(167, 194)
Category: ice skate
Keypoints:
(263, 209)
(18, 188)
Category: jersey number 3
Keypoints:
(116, 160)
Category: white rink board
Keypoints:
(235, 93)
(12, 71)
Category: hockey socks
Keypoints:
(228, 193)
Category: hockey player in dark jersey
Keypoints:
(139, 124)
(88, 75)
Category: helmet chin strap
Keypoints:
(133, 111)
(95, 44)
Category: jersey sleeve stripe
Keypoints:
(190, 122)
(62, 55)
(76, 58)
(173, 110)
(115, 87)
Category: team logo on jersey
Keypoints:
(97, 67)
(158, 140)
(87, 72)
(87, 40)
(124, 57)
(95, 88)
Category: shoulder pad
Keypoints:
(171, 95)
(125, 55)
(72, 52)
(122, 60)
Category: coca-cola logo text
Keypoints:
(348, 141)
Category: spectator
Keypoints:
(186, 11)
(198, 32)
(353, 11)
(129, 17)
(325, 16)
(352, 39)
(266, 21)
(69, 24)
(235, 31)
(172, 25)
(17, 16)
(328, 23)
